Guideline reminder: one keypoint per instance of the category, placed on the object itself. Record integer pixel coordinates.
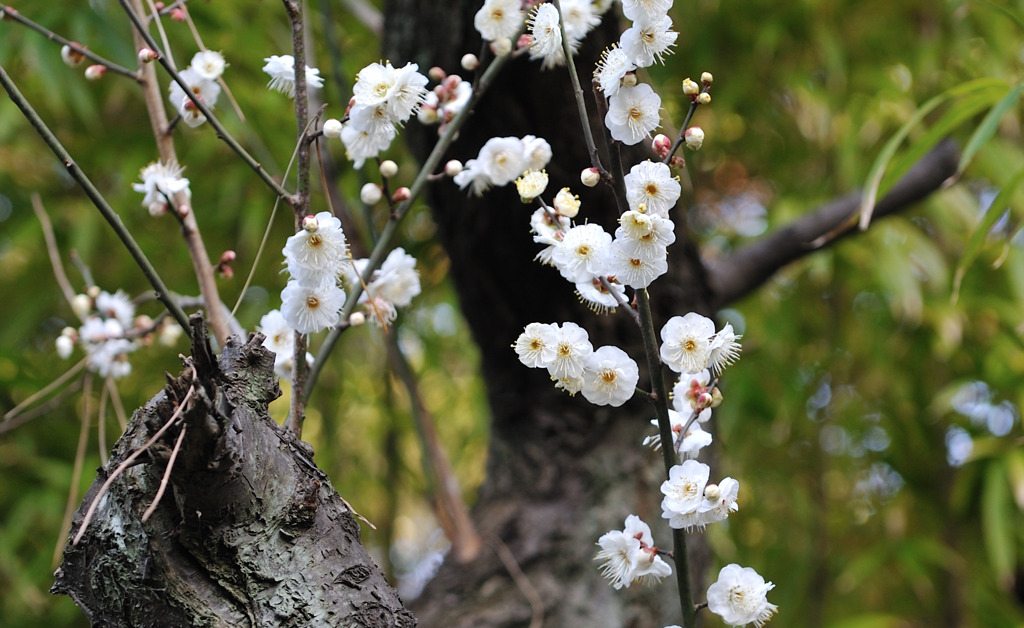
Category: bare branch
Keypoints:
(749, 267)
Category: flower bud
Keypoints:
(332, 128)
(706, 78)
(388, 168)
(370, 194)
(64, 346)
(452, 81)
(566, 204)
(95, 72)
(453, 167)
(227, 257)
(436, 73)
(712, 492)
(81, 305)
(690, 88)
(703, 400)
(356, 319)
(694, 137)
(704, 98)
(310, 224)
(525, 41)
(142, 322)
(716, 397)
(147, 55)
(71, 56)
(169, 334)
(661, 145)
(93, 292)
(183, 210)
(590, 177)
(501, 46)
(427, 115)
(629, 80)
(402, 194)
(177, 15)
(469, 62)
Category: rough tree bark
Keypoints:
(250, 532)
(560, 471)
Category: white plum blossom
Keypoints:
(686, 342)
(580, 18)
(610, 377)
(652, 185)
(633, 267)
(645, 235)
(209, 64)
(633, 113)
(397, 281)
(684, 493)
(547, 232)
(311, 308)
(501, 161)
(725, 349)
(719, 501)
(648, 40)
(739, 597)
(280, 340)
(106, 348)
(205, 90)
(547, 36)
(583, 253)
(612, 67)
(629, 555)
(645, 9)
(401, 90)
(117, 306)
(688, 444)
(498, 19)
(318, 251)
(537, 344)
(687, 394)
(601, 297)
(572, 350)
(160, 182)
(361, 145)
(281, 70)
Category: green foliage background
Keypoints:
(852, 357)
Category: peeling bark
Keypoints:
(250, 531)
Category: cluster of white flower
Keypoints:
(106, 320)
(391, 286)
(315, 257)
(281, 70)
(606, 376)
(502, 160)
(580, 17)
(690, 344)
(280, 339)
(383, 98)
(629, 555)
(160, 182)
(690, 502)
(201, 77)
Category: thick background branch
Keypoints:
(739, 274)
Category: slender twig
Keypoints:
(620, 300)
(577, 91)
(391, 228)
(101, 417)
(167, 475)
(42, 409)
(163, 294)
(76, 472)
(681, 137)
(128, 463)
(115, 398)
(52, 250)
(10, 13)
(526, 587)
(660, 394)
(16, 410)
(222, 133)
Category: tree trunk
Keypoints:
(249, 533)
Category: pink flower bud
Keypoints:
(452, 81)
(694, 137)
(661, 145)
(524, 41)
(183, 210)
(227, 257)
(310, 224)
(436, 73)
(178, 15)
(401, 194)
(159, 6)
(147, 55)
(95, 72)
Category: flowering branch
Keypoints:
(108, 213)
(391, 228)
(577, 91)
(10, 13)
(222, 133)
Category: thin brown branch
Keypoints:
(52, 250)
(76, 473)
(749, 267)
(57, 383)
(167, 475)
(521, 580)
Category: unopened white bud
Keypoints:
(81, 305)
(690, 87)
(388, 168)
(95, 72)
(93, 292)
(356, 319)
(706, 78)
(704, 98)
(436, 73)
(501, 46)
(370, 194)
(332, 128)
(71, 56)
(469, 62)
(590, 177)
(629, 80)
(712, 492)
(169, 334)
(453, 167)
(694, 137)
(310, 224)
(148, 55)
(64, 346)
